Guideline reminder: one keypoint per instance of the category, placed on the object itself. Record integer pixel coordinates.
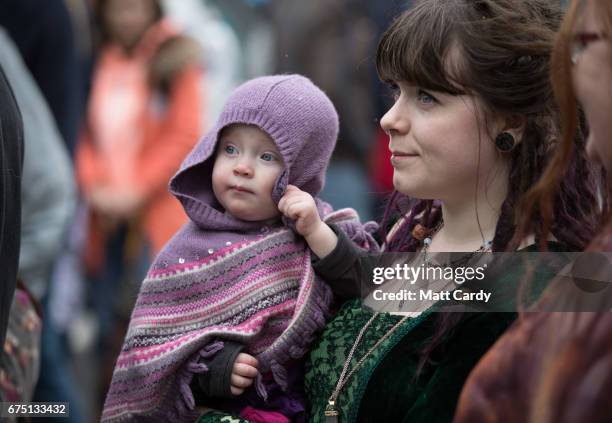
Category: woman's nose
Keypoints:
(395, 121)
(243, 169)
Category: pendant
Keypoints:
(331, 414)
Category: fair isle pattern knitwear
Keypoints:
(262, 293)
(224, 278)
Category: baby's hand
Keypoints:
(301, 207)
(243, 373)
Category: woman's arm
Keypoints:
(346, 268)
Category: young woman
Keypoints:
(557, 367)
(472, 127)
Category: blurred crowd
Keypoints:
(113, 94)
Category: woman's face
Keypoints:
(592, 76)
(128, 20)
(435, 140)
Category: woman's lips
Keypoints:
(398, 157)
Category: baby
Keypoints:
(232, 299)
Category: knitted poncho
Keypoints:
(224, 278)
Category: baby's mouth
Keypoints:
(239, 188)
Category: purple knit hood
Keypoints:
(299, 118)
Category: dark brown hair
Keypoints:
(504, 51)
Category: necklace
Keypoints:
(331, 411)
(486, 246)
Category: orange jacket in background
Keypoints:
(147, 143)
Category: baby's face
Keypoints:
(246, 167)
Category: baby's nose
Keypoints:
(243, 169)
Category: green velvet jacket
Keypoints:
(386, 387)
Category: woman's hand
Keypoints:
(301, 207)
(243, 373)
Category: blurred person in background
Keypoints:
(44, 35)
(19, 326)
(60, 361)
(48, 188)
(144, 115)
(253, 24)
(49, 84)
(223, 53)
(48, 198)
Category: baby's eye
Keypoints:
(425, 98)
(268, 157)
(230, 149)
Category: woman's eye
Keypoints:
(230, 149)
(425, 98)
(267, 157)
(394, 90)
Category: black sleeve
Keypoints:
(11, 162)
(347, 268)
(216, 382)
